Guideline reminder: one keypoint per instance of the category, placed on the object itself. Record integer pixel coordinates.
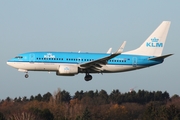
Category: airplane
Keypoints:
(72, 63)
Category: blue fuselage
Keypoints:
(75, 58)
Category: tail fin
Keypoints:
(154, 44)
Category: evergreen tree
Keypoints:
(65, 96)
(31, 98)
(46, 97)
(86, 115)
(2, 116)
(38, 97)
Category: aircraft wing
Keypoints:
(102, 61)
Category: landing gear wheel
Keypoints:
(88, 78)
(26, 75)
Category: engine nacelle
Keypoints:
(67, 70)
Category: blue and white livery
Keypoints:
(72, 63)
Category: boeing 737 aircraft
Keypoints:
(72, 63)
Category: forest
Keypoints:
(92, 105)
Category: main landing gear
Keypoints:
(88, 77)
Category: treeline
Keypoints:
(93, 105)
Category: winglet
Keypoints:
(121, 48)
(109, 51)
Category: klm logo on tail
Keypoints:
(154, 43)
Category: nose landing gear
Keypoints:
(26, 75)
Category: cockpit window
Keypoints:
(19, 57)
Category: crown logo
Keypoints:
(154, 39)
(49, 55)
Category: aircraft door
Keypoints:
(134, 61)
(79, 60)
(31, 58)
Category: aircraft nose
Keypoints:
(12, 64)
(9, 63)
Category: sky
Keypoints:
(87, 26)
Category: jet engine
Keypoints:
(67, 70)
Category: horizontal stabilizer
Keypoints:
(160, 57)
